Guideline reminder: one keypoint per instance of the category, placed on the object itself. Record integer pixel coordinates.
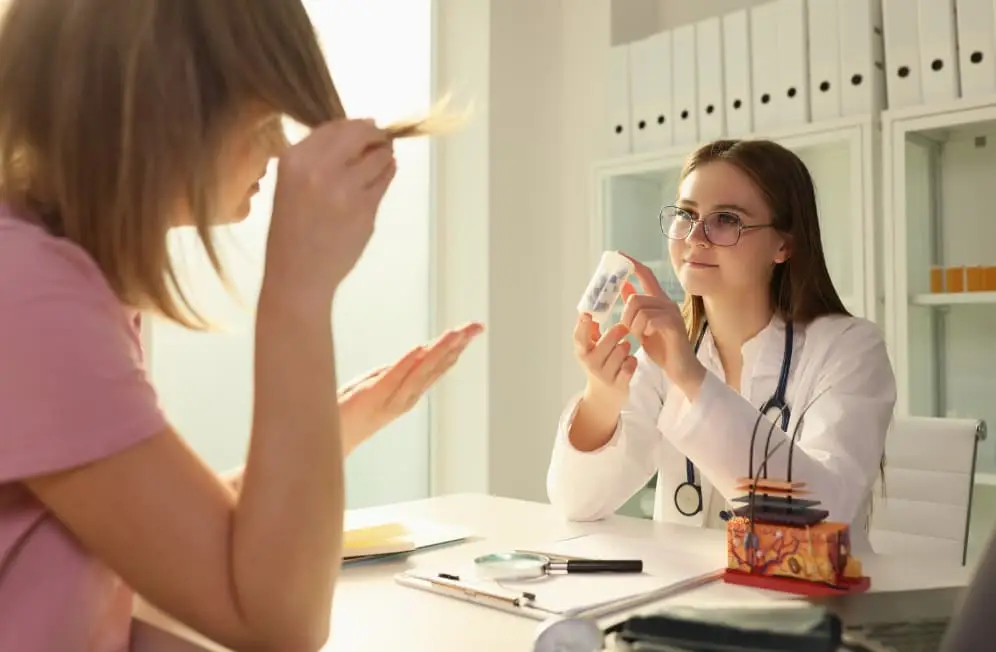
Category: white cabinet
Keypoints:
(940, 193)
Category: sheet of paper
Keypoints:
(671, 563)
(561, 592)
(661, 567)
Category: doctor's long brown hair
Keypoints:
(113, 111)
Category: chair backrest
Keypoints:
(929, 481)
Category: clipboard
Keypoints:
(529, 605)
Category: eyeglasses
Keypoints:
(721, 229)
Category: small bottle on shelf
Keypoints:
(975, 278)
(936, 279)
(954, 279)
(989, 278)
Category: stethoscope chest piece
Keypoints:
(688, 499)
(569, 635)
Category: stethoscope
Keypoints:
(688, 495)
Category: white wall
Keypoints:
(513, 200)
(205, 380)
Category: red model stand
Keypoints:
(797, 587)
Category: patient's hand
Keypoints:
(370, 402)
(378, 398)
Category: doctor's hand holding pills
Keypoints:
(656, 321)
(606, 361)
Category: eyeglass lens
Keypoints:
(721, 229)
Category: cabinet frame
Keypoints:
(924, 126)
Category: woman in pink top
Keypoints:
(119, 120)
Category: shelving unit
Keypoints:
(939, 194)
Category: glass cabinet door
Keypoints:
(632, 204)
(835, 166)
(945, 284)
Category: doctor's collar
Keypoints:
(773, 332)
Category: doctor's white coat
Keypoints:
(839, 361)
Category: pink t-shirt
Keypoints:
(73, 390)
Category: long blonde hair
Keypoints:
(114, 109)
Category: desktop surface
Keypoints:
(367, 597)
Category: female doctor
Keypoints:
(762, 335)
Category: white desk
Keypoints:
(372, 612)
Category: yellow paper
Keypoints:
(377, 539)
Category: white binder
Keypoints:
(650, 81)
(902, 53)
(792, 99)
(938, 51)
(862, 66)
(736, 74)
(977, 47)
(683, 70)
(824, 60)
(709, 71)
(618, 141)
(764, 65)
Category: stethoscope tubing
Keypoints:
(776, 402)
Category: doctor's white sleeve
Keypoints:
(840, 445)
(588, 486)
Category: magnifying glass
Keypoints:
(526, 566)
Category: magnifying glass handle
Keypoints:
(597, 566)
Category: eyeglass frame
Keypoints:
(741, 227)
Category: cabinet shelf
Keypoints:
(953, 298)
